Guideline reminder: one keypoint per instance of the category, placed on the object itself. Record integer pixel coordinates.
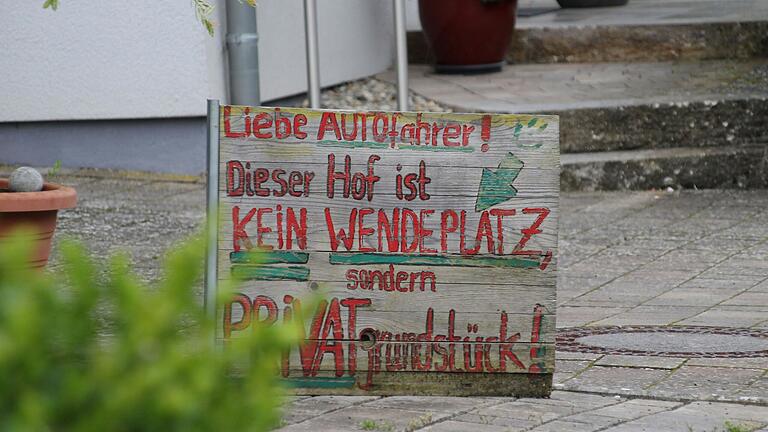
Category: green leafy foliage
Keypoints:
(93, 349)
(735, 427)
(53, 4)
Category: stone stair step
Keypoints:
(732, 167)
(613, 106)
(641, 31)
(640, 43)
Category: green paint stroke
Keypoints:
(432, 260)
(496, 186)
(251, 272)
(401, 146)
(531, 124)
(518, 129)
(531, 146)
(320, 382)
(269, 257)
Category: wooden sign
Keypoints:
(433, 238)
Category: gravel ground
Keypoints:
(372, 94)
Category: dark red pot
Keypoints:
(468, 35)
(590, 3)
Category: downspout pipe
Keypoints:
(243, 54)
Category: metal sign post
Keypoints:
(212, 198)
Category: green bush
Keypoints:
(93, 349)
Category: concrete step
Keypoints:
(641, 31)
(612, 106)
(732, 167)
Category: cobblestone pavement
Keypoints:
(647, 260)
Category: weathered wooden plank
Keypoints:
(485, 276)
(348, 316)
(426, 234)
(431, 384)
(350, 358)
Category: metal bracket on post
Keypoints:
(402, 55)
(212, 225)
(313, 60)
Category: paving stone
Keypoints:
(529, 410)
(655, 403)
(695, 417)
(640, 361)
(560, 425)
(676, 341)
(689, 297)
(628, 410)
(581, 401)
(732, 286)
(652, 315)
(593, 420)
(571, 366)
(350, 419)
(694, 382)
(302, 409)
(749, 299)
(567, 355)
(616, 380)
(761, 287)
(431, 404)
(570, 316)
(512, 424)
(460, 426)
(720, 316)
(757, 391)
(743, 363)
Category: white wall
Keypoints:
(355, 40)
(152, 59)
(101, 60)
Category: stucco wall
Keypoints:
(101, 60)
(152, 59)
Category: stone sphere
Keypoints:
(25, 179)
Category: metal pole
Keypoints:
(243, 54)
(402, 55)
(212, 227)
(313, 59)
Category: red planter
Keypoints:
(35, 211)
(468, 36)
(590, 3)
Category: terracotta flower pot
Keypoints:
(35, 211)
(468, 36)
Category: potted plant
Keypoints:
(590, 3)
(28, 202)
(468, 36)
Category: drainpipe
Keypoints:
(313, 58)
(402, 55)
(243, 54)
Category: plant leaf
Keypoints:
(208, 25)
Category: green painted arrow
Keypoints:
(496, 186)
